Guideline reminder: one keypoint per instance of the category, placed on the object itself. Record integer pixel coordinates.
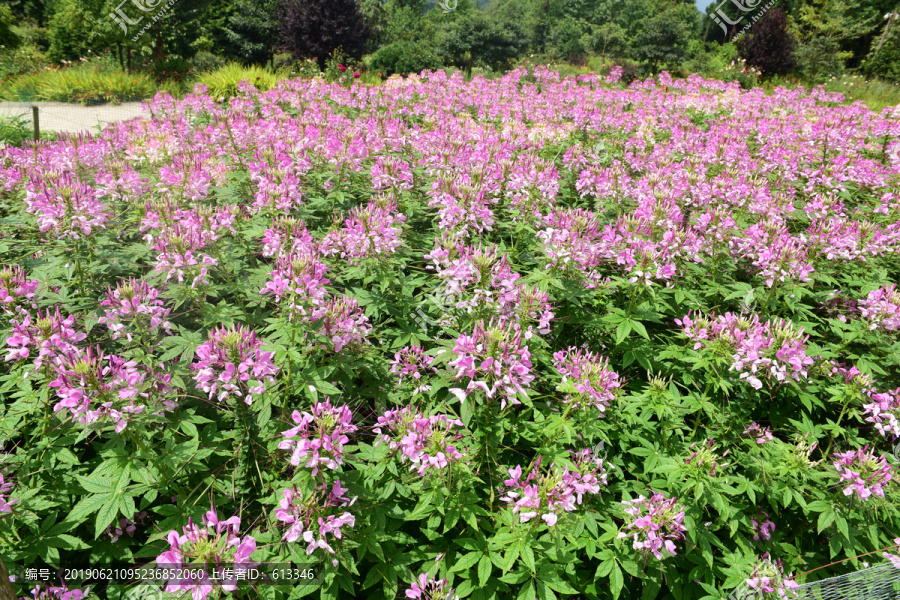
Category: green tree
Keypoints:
(476, 40)
(8, 37)
(72, 29)
(252, 29)
(663, 42)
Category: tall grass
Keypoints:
(223, 82)
(82, 84)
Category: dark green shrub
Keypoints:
(404, 57)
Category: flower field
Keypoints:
(535, 337)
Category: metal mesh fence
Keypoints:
(63, 117)
(881, 582)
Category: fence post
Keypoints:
(37, 123)
(6, 588)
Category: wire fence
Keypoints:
(881, 582)
(63, 117)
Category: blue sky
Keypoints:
(702, 4)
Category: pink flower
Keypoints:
(372, 231)
(588, 377)
(411, 362)
(426, 588)
(654, 524)
(233, 364)
(215, 543)
(313, 518)
(427, 443)
(57, 593)
(137, 305)
(6, 503)
(321, 436)
(495, 359)
(864, 474)
(761, 434)
(560, 490)
(768, 577)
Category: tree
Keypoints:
(252, 28)
(8, 38)
(316, 28)
(663, 43)
(476, 40)
(769, 46)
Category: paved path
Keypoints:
(72, 118)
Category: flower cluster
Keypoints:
(863, 473)
(772, 350)
(655, 524)
(705, 458)
(587, 378)
(560, 490)
(426, 588)
(758, 433)
(57, 593)
(412, 362)
(428, 443)
(136, 304)
(6, 502)
(884, 411)
(311, 517)
(91, 386)
(66, 205)
(16, 290)
(46, 333)
(215, 543)
(769, 578)
(881, 308)
(126, 526)
(370, 231)
(495, 358)
(762, 529)
(343, 323)
(321, 436)
(229, 361)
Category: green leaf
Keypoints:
(484, 570)
(466, 562)
(616, 581)
(826, 519)
(94, 484)
(527, 592)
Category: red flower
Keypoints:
(342, 67)
(355, 74)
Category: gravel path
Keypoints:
(72, 118)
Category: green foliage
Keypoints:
(403, 57)
(9, 39)
(663, 42)
(251, 29)
(70, 30)
(83, 84)
(223, 82)
(474, 40)
(18, 129)
(884, 58)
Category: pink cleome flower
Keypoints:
(214, 543)
(230, 362)
(321, 436)
(655, 524)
